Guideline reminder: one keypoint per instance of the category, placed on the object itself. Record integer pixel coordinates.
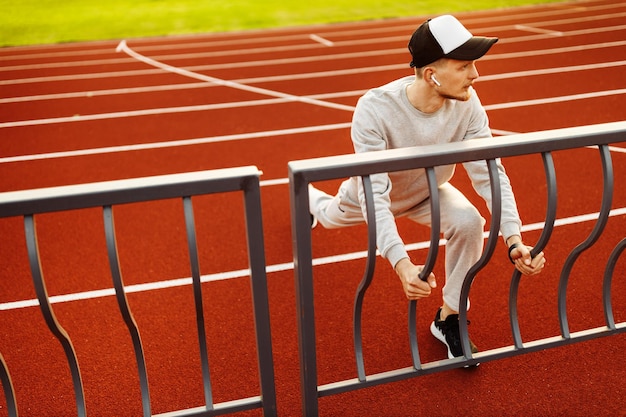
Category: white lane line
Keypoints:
(533, 29)
(321, 40)
(549, 100)
(263, 102)
(172, 110)
(349, 72)
(225, 65)
(146, 112)
(173, 87)
(243, 52)
(332, 73)
(244, 273)
(208, 67)
(582, 19)
(500, 132)
(186, 142)
(174, 143)
(276, 181)
(123, 47)
(612, 149)
(552, 51)
(547, 71)
(109, 92)
(578, 32)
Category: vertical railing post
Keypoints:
(260, 296)
(303, 271)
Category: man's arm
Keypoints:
(367, 136)
(511, 224)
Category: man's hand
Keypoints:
(520, 256)
(413, 286)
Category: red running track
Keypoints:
(77, 113)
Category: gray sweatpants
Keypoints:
(461, 225)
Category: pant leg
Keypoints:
(462, 227)
(334, 211)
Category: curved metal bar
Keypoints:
(606, 286)
(435, 227)
(433, 250)
(513, 312)
(607, 199)
(190, 226)
(48, 314)
(7, 385)
(122, 302)
(494, 229)
(548, 164)
(367, 276)
(548, 227)
(412, 324)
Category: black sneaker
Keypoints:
(447, 331)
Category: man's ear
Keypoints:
(427, 75)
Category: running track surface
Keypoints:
(84, 112)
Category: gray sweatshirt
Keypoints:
(385, 119)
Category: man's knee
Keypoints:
(468, 223)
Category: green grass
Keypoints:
(24, 22)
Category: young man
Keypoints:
(436, 105)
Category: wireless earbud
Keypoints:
(432, 77)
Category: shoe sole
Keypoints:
(434, 330)
(439, 336)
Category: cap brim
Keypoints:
(473, 49)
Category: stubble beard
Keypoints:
(458, 97)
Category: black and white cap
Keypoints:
(446, 37)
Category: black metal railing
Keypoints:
(302, 173)
(29, 203)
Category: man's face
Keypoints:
(456, 78)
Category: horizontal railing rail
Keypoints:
(304, 172)
(29, 203)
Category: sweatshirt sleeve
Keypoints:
(510, 223)
(368, 136)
